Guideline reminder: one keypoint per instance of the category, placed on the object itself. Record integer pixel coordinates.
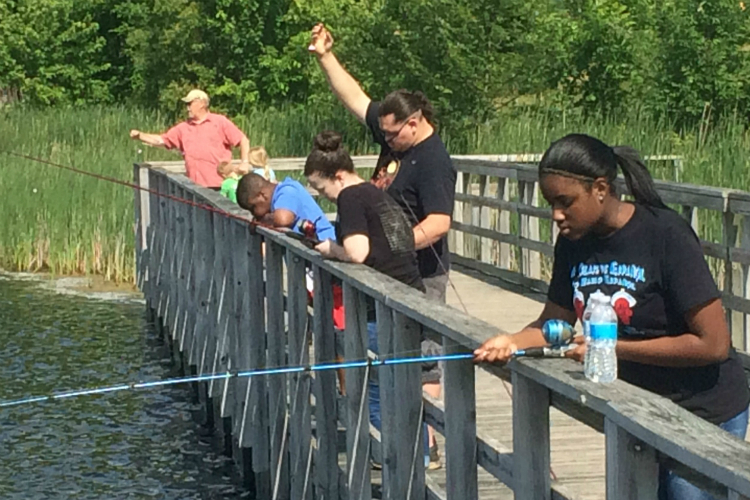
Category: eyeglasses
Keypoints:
(389, 136)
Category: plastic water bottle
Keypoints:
(595, 297)
(600, 364)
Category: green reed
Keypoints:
(64, 223)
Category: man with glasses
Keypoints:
(414, 167)
(205, 140)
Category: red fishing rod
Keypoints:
(304, 238)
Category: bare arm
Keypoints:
(150, 139)
(431, 229)
(501, 347)
(343, 85)
(283, 218)
(707, 343)
(245, 149)
(356, 249)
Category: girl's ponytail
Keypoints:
(637, 177)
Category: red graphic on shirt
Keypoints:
(578, 303)
(623, 304)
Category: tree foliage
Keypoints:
(471, 57)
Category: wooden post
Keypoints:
(744, 344)
(529, 227)
(142, 222)
(204, 322)
(485, 254)
(215, 325)
(470, 241)
(172, 312)
(229, 330)
(460, 426)
(358, 422)
(457, 242)
(326, 459)
(402, 412)
(632, 468)
(503, 216)
(258, 397)
(153, 245)
(189, 266)
(730, 233)
(241, 245)
(300, 449)
(531, 446)
(279, 417)
(161, 279)
(386, 386)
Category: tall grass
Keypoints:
(65, 223)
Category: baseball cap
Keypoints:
(195, 94)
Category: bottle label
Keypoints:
(603, 331)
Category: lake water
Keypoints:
(123, 445)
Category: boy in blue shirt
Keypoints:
(282, 205)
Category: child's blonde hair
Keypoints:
(258, 158)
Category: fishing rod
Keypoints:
(204, 206)
(310, 368)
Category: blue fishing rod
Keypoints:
(556, 332)
(377, 362)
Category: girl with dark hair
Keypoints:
(372, 230)
(672, 337)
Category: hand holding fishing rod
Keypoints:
(558, 334)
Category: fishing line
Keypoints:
(365, 363)
(120, 182)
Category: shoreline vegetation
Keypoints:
(67, 224)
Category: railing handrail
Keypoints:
(648, 418)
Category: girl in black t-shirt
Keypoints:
(372, 230)
(673, 338)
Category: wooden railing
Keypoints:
(501, 228)
(233, 297)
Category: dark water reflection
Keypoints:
(129, 444)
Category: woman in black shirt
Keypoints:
(372, 230)
(673, 338)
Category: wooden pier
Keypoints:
(230, 297)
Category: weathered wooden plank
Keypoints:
(300, 449)
(503, 222)
(241, 266)
(531, 444)
(358, 479)
(652, 419)
(461, 426)
(277, 390)
(190, 269)
(503, 204)
(258, 398)
(401, 395)
(632, 469)
(326, 459)
(458, 217)
(172, 313)
(529, 231)
(161, 279)
(229, 320)
(485, 220)
(142, 222)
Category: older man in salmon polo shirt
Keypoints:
(205, 140)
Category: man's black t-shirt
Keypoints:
(655, 272)
(365, 209)
(422, 180)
